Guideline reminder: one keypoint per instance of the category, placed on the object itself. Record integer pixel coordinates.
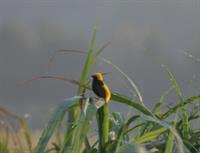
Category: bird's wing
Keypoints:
(107, 92)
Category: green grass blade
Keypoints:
(175, 108)
(171, 139)
(53, 122)
(74, 114)
(126, 100)
(135, 88)
(88, 62)
(170, 143)
(132, 119)
(58, 134)
(157, 107)
(169, 127)
(120, 128)
(4, 148)
(103, 126)
(174, 83)
(16, 137)
(87, 144)
(100, 50)
(149, 136)
(27, 133)
(186, 125)
(83, 126)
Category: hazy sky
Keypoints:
(145, 33)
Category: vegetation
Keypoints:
(160, 130)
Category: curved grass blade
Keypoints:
(172, 132)
(170, 143)
(157, 107)
(84, 123)
(149, 136)
(53, 56)
(54, 121)
(134, 127)
(186, 125)
(72, 81)
(74, 114)
(119, 127)
(175, 108)
(126, 100)
(100, 50)
(24, 127)
(126, 77)
(171, 138)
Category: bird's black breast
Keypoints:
(97, 87)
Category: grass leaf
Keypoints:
(175, 108)
(74, 114)
(100, 50)
(85, 121)
(186, 125)
(116, 97)
(149, 136)
(53, 123)
(103, 126)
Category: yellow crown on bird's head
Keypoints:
(99, 75)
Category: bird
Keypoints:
(99, 87)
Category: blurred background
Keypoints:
(145, 34)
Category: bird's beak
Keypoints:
(106, 73)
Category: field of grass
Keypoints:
(160, 130)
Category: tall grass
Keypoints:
(160, 130)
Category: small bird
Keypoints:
(99, 87)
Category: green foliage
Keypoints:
(186, 125)
(12, 137)
(54, 122)
(149, 136)
(4, 148)
(74, 113)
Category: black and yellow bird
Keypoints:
(99, 87)
(102, 91)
